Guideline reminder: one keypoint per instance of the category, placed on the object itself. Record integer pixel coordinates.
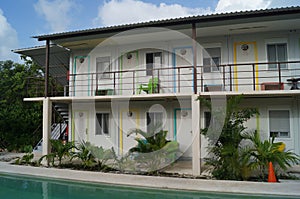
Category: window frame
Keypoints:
(99, 125)
(149, 72)
(106, 74)
(212, 67)
(276, 41)
(290, 123)
(275, 66)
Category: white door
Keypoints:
(129, 120)
(183, 70)
(81, 127)
(81, 80)
(183, 130)
(245, 52)
(128, 80)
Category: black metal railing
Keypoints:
(180, 79)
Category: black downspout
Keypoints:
(194, 36)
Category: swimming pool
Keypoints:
(24, 187)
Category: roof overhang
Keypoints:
(59, 59)
(207, 25)
(185, 22)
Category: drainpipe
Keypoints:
(194, 36)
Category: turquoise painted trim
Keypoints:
(175, 120)
(89, 79)
(174, 70)
(174, 65)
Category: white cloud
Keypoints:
(241, 5)
(115, 12)
(285, 3)
(56, 13)
(8, 39)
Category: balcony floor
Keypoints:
(166, 96)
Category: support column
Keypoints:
(196, 142)
(47, 110)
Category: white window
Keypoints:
(154, 119)
(211, 59)
(279, 123)
(277, 53)
(103, 67)
(153, 61)
(102, 124)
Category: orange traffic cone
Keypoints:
(271, 177)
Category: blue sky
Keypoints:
(21, 19)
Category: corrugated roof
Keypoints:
(175, 21)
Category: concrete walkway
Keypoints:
(288, 188)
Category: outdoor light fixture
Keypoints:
(81, 60)
(183, 51)
(245, 47)
(129, 113)
(129, 55)
(184, 113)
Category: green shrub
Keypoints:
(263, 152)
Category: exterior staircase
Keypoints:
(62, 110)
(57, 128)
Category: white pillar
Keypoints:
(196, 154)
(47, 110)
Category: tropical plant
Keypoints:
(101, 155)
(59, 150)
(263, 152)
(152, 141)
(27, 158)
(153, 150)
(84, 155)
(123, 163)
(225, 149)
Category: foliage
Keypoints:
(83, 154)
(123, 163)
(152, 141)
(59, 150)
(101, 155)
(263, 152)
(154, 151)
(19, 120)
(27, 158)
(226, 158)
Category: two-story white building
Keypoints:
(129, 76)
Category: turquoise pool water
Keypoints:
(22, 187)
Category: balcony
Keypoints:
(243, 77)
